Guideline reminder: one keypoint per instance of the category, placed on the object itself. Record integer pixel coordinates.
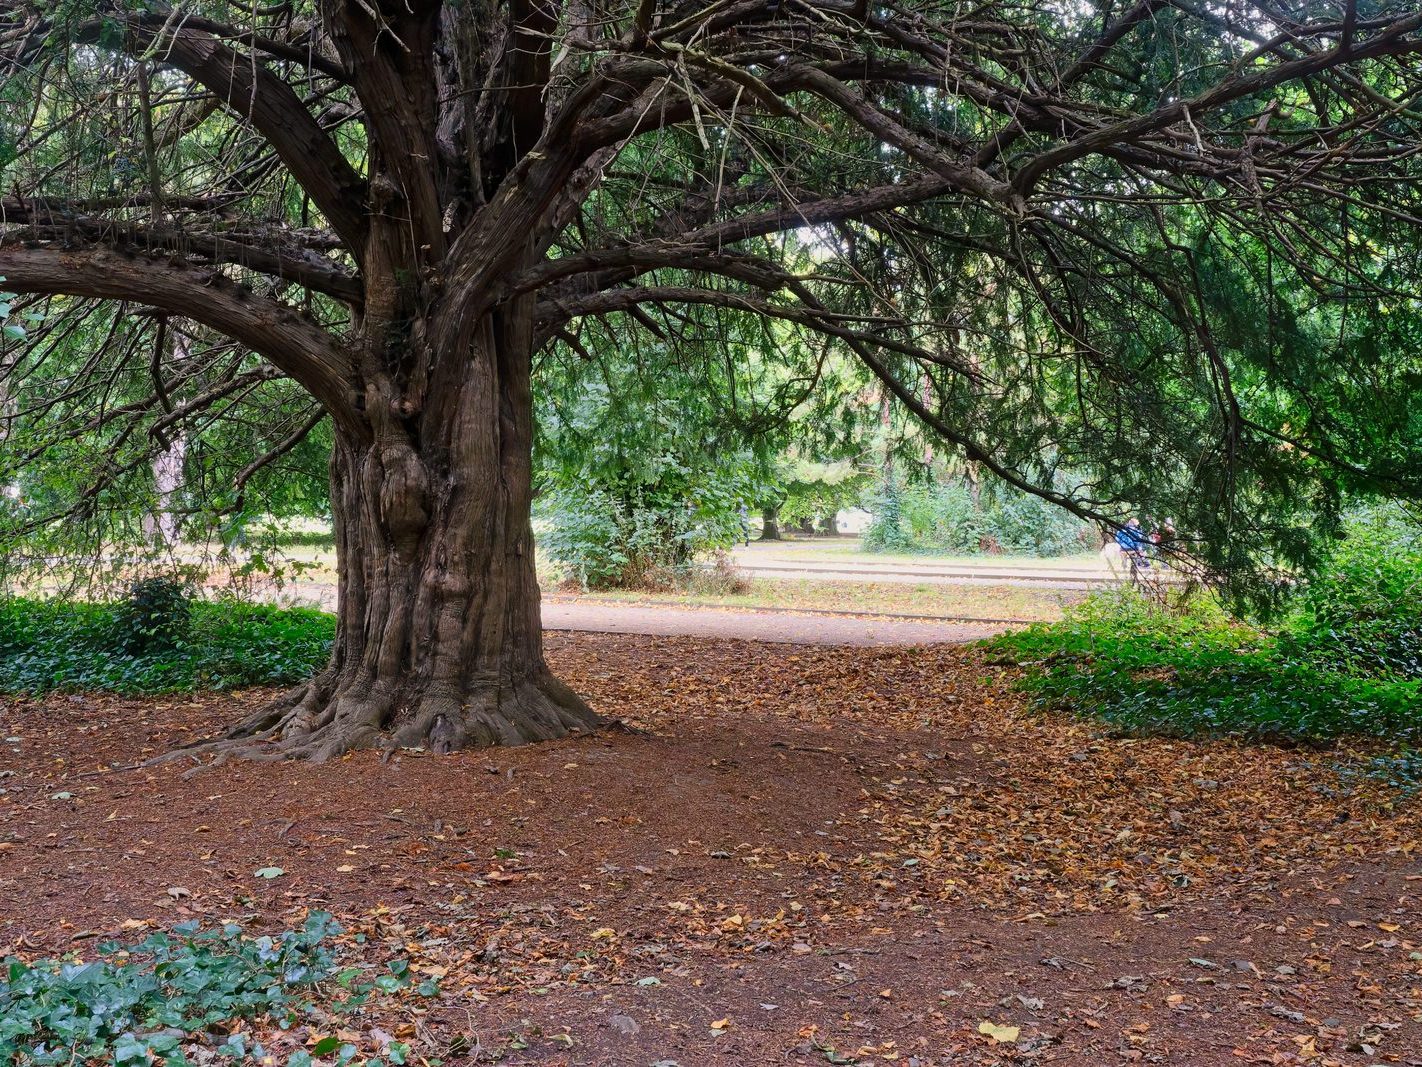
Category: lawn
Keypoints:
(850, 549)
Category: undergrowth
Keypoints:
(1197, 673)
(1319, 678)
(50, 645)
(188, 994)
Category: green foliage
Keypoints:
(1363, 614)
(815, 491)
(643, 535)
(174, 994)
(1193, 672)
(1346, 662)
(305, 539)
(94, 493)
(886, 533)
(155, 617)
(59, 644)
(647, 454)
(145, 1003)
(946, 517)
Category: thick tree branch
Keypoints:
(275, 252)
(299, 348)
(265, 100)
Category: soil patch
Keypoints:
(812, 855)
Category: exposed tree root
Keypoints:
(328, 717)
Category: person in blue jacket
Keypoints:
(1132, 540)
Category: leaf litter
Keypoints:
(812, 855)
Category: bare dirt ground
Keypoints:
(812, 855)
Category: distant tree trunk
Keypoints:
(440, 642)
(770, 524)
(162, 525)
(886, 427)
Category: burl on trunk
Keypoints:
(439, 643)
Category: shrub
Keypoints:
(721, 577)
(68, 645)
(947, 517)
(1344, 665)
(237, 644)
(645, 539)
(305, 539)
(154, 618)
(887, 533)
(1197, 673)
(1363, 614)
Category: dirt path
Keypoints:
(811, 856)
(782, 627)
(591, 615)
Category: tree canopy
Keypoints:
(1167, 248)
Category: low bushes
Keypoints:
(1363, 615)
(1346, 661)
(651, 540)
(1196, 673)
(156, 643)
(949, 517)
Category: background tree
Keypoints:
(1165, 243)
(651, 443)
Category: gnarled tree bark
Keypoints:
(412, 210)
(439, 643)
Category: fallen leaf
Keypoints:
(1002, 1035)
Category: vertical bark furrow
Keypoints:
(440, 643)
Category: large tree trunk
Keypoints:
(439, 643)
(770, 524)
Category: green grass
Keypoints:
(851, 549)
(50, 645)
